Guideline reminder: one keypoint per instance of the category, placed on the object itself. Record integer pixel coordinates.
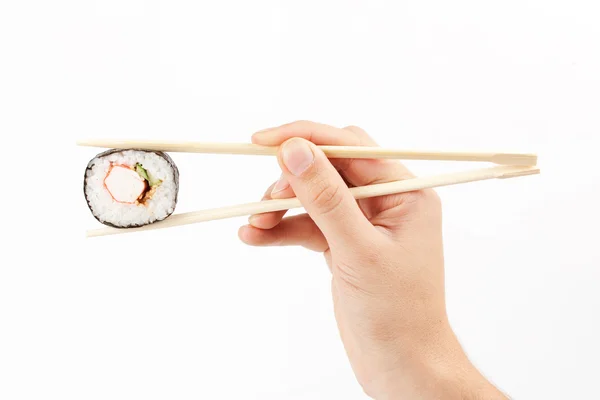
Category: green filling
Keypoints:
(144, 174)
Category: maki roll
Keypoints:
(131, 188)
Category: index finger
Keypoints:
(358, 172)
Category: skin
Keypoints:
(386, 260)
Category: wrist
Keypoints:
(438, 368)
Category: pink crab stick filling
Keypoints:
(124, 184)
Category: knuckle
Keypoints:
(423, 198)
(361, 136)
(301, 124)
(430, 201)
(302, 128)
(434, 198)
(425, 204)
(354, 128)
(327, 198)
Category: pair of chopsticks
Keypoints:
(509, 165)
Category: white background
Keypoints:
(191, 313)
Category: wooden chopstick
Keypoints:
(330, 151)
(381, 189)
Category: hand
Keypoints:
(385, 255)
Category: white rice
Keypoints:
(105, 208)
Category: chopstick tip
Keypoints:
(521, 172)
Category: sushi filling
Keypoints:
(130, 185)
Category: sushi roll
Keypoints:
(131, 188)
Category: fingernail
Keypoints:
(280, 186)
(297, 156)
(259, 133)
(252, 219)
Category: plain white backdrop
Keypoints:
(192, 313)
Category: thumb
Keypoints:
(323, 193)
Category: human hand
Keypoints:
(386, 258)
